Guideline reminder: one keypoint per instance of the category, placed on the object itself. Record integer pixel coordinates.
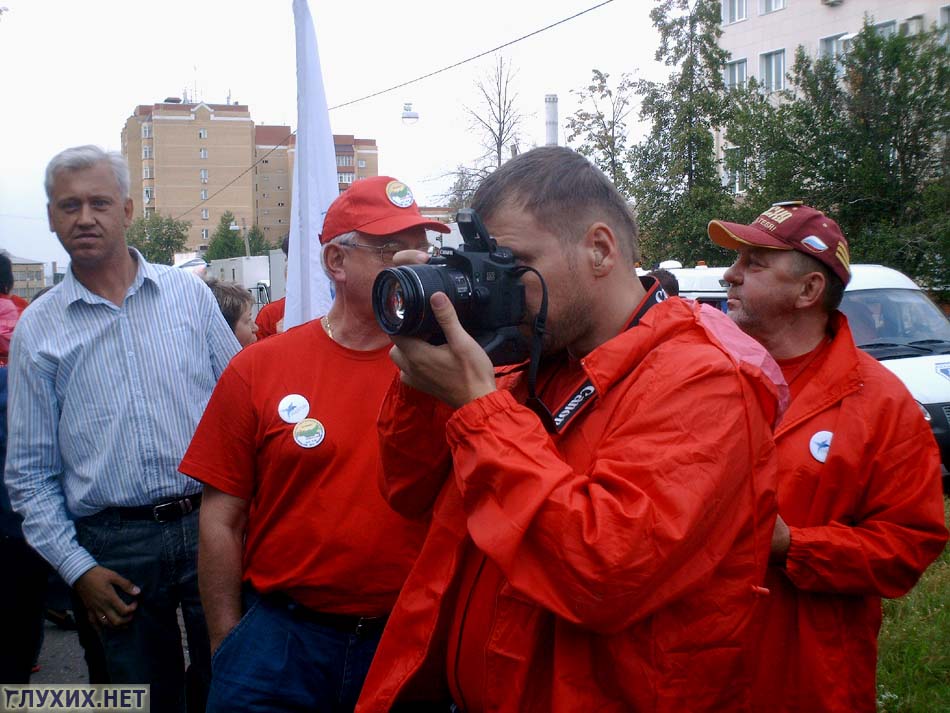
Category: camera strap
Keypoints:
(555, 422)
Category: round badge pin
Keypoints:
(293, 408)
(309, 433)
(399, 194)
(819, 445)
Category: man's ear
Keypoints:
(333, 258)
(600, 244)
(811, 290)
(129, 209)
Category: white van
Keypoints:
(892, 320)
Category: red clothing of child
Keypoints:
(268, 318)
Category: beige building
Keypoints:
(190, 162)
(195, 161)
(762, 36)
(28, 276)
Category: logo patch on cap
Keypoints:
(399, 194)
(814, 243)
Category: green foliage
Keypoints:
(600, 126)
(158, 238)
(257, 242)
(913, 671)
(865, 141)
(225, 242)
(675, 178)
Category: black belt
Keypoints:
(346, 623)
(162, 512)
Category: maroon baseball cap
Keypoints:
(380, 205)
(790, 226)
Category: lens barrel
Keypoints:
(401, 298)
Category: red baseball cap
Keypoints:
(380, 205)
(790, 226)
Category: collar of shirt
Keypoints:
(73, 290)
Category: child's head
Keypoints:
(235, 303)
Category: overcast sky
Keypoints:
(75, 70)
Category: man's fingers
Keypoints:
(446, 317)
(410, 257)
(124, 584)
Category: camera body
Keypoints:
(481, 279)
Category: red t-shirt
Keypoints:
(318, 528)
(799, 370)
(268, 318)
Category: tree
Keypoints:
(600, 126)
(497, 119)
(257, 242)
(225, 242)
(864, 139)
(158, 238)
(463, 187)
(675, 178)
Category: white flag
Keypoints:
(314, 182)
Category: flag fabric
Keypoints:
(314, 181)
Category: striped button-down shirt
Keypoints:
(104, 401)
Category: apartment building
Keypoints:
(194, 161)
(274, 148)
(191, 161)
(762, 37)
(28, 276)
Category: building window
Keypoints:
(280, 205)
(733, 11)
(149, 212)
(943, 20)
(280, 188)
(204, 194)
(147, 172)
(203, 175)
(266, 160)
(771, 6)
(772, 71)
(833, 48)
(202, 133)
(146, 131)
(204, 213)
(912, 25)
(147, 194)
(886, 29)
(202, 153)
(344, 160)
(344, 177)
(735, 74)
(204, 233)
(361, 164)
(736, 179)
(146, 152)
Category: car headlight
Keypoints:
(924, 411)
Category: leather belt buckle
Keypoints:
(174, 510)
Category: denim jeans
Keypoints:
(274, 661)
(161, 558)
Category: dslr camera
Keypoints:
(480, 278)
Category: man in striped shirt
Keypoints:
(109, 374)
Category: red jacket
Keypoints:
(865, 523)
(632, 544)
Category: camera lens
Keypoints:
(401, 298)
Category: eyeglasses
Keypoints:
(388, 250)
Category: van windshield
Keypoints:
(892, 316)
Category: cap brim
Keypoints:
(735, 235)
(398, 223)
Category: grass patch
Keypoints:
(913, 670)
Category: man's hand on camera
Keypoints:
(457, 372)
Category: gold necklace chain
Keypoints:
(327, 327)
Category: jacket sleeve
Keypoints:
(897, 531)
(667, 492)
(414, 456)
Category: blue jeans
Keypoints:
(161, 558)
(275, 660)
